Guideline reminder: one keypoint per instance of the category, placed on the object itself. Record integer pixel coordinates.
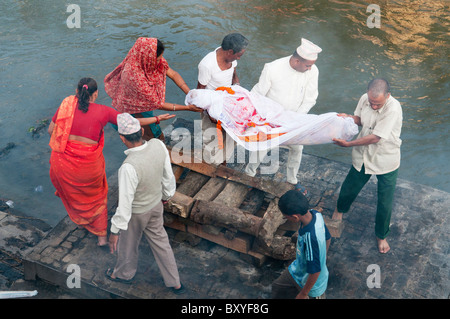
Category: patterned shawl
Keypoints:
(138, 83)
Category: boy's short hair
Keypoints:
(293, 202)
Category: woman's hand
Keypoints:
(165, 117)
(194, 108)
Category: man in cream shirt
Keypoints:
(291, 81)
(145, 179)
(376, 151)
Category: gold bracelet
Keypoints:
(174, 107)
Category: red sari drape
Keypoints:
(138, 83)
(77, 171)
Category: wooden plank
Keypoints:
(241, 242)
(174, 222)
(179, 204)
(266, 185)
(271, 220)
(254, 258)
(212, 213)
(289, 226)
(270, 186)
(211, 189)
(177, 171)
(253, 202)
(232, 195)
(192, 183)
(201, 168)
(281, 248)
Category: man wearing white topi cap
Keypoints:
(145, 180)
(291, 81)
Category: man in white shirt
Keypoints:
(145, 180)
(291, 81)
(376, 151)
(218, 69)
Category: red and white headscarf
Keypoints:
(138, 83)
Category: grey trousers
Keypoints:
(150, 225)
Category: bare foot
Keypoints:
(383, 246)
(102, 241)
(336, 215)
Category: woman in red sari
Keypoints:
(77, 165)
(138, 84)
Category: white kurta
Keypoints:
(295, 91)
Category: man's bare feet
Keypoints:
(336, 215)
(383, 246)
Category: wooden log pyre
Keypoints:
(212, 213)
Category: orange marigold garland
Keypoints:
(224, 88)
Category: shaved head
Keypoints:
(379, 86)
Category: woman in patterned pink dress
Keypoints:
(138, 84)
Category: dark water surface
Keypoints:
(41, 60)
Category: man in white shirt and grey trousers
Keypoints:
(145, 180)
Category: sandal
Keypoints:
(108, 274)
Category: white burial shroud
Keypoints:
(258, 123)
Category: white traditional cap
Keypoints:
(127, 124)
(308, 50)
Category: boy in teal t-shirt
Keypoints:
(307, 275)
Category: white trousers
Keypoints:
(293, 163)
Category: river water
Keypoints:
(42, 59)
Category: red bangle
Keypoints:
(157, 120)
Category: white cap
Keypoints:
(308, 50)
(127, 124)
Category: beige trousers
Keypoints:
(150, 225)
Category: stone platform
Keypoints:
(417, 266)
